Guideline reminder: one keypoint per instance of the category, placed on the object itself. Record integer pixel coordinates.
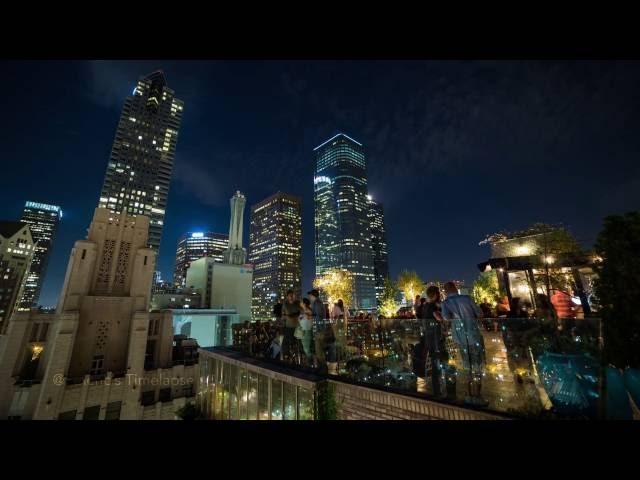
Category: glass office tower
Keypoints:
(378, 245)
(43, 222)
(342, 225)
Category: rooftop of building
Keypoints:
(336, 136)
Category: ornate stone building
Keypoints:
(102, 355)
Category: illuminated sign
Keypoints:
(44, 206)
(197, 235)
(321, 179)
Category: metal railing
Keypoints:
(525, 367)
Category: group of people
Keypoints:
(309, 331)
(459, 315)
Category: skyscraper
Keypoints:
(43, 222)
(275, 250)
(139, 170)
(16, 251)
(195, 245)
(342, 236)
(379, 245)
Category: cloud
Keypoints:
(110, 81)
(200, 182)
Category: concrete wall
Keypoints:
(231, 287)
(361, 403)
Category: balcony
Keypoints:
(530, 368)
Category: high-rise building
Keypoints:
(275, 250)
(102, 353)
(43, 222)
(139, 169)
(342, 231)
(195, 245)
(379, 245)
(16, 251)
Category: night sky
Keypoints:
(454, 150)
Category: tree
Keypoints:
(410, 283)
(388, 304)
(486, 288)
(555, 241)
(618, 288)
(336, 284)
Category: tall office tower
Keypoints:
(139, 170)
(235, 254)
(379, 245)
(195, 245)
(342, 236)
(275, 250)
(53, 365)
(43, 222)
(16, 251)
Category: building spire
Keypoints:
(236, 254)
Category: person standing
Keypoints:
(464, 314)
(565, 309)
(306, 323)
(416, 305)
(324, 338)
(291, 313)
(277, 310)
(340, 317)
(431, 319)
(545, 312)
(419, 309)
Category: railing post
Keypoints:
(602, 405)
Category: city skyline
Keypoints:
(590, 97)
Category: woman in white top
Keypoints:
(306, 323)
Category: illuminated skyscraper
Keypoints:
(139, 170)
(342, 236)
(379, 245)
(195, 245)
(43, 222)
(275, 250)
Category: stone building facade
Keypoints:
(102, 355)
